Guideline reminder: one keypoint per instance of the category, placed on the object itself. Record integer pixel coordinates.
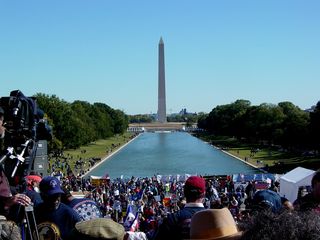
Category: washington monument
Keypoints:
(162, 116)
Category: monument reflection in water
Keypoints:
(169, 154)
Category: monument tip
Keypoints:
(161, 41)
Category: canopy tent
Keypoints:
(291, 181)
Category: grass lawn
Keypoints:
(277, 161)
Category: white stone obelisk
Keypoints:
(162, 116)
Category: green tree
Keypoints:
(295, 126)
(102, 120)
(268, 119)
(79, 123)
(315, 126)
(228, 119)
(202, 121)
(82, 111)
(141, 118)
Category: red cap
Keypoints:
(195, 182)
(35, 178)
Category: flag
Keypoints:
(138, 195)
(131, 222)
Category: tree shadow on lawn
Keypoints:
(289, 164)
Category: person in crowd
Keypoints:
(135, 236)
(275, 186)
(85, 207)
(10, 205)
(250, 191)
(286, 204)
(9, 230)
(4, 185)
(302, 191)
(310, 201)
(214, 224)
(216, 204)
(177, 225)
(6, 197)
(213, 194)
(99, 228)
(33, 191)
(289, 225)
(7, 200)
(52, 215)
(103, 228)
(266, 200)
(234, 206)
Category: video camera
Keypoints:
(19, 115)
(25, 126)
(23, 119)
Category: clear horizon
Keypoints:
(215, 52)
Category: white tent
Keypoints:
(291, 181)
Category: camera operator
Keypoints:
(7, 200)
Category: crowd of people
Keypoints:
(70, 207)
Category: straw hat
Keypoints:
(214, 224)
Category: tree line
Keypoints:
(79, 123)
(283, 124)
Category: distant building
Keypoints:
(184, 112)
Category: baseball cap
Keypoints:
(267, 199)
(50, 186)
(33, 178)
(195, 183)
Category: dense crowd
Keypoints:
(148, 208)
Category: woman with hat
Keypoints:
(214, 224)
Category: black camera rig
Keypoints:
(23, 123)
(25, 126)
(19, 115)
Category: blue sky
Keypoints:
(215, 51)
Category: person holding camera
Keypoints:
(7, 200)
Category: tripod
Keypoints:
(29, 221)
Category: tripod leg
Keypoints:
(27, 225)
(31, 225)
(36, 228)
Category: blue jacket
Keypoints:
(177, 225)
